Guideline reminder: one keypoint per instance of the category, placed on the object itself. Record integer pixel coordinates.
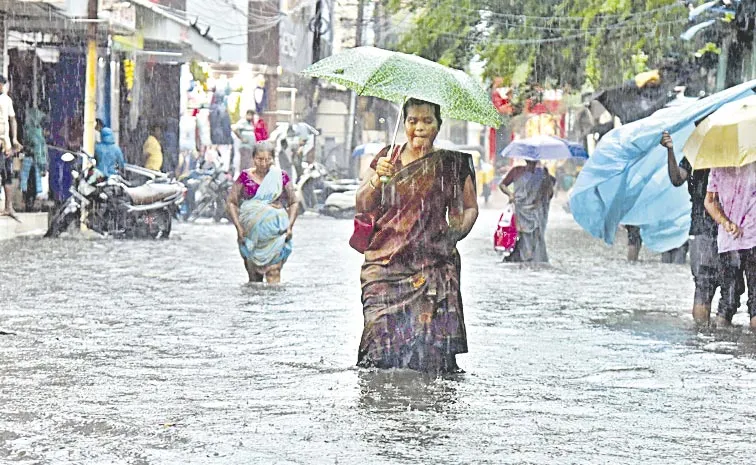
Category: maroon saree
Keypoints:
(411, 300)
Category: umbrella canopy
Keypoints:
(369, 149)
(726, 138)
(396, 76)
(544, 148)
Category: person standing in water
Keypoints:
(704, 259)
(8, 143)
(152, 151)
(263, 207)
(532, 190)
(731, 201)
(246, 131)
(424, 201)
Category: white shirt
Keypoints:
(6, 112)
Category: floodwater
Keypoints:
(159, 353)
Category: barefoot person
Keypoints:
(704, 259)
(8, 143)
(731, 201)
(263, 207)
(411, 299)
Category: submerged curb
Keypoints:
(32, 224)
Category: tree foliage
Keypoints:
(563, 42)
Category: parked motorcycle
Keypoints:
(341, 198)
(318, 192)
(114, 207)
(310, 186)
(208, 191)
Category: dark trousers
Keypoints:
(738, 268)
(705, 266)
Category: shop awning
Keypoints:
(167, 30)
(159, 29)
(38, 15)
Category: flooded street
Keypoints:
(159, 352)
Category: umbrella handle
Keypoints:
(385, 179)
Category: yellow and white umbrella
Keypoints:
(726, 138)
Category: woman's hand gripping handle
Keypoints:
(385, 169)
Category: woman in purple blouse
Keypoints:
(263, 207)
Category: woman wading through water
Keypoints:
(263, 207)
(411, 298)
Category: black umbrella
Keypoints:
(630, 103)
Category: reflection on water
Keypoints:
(405, 412)
(384, 391)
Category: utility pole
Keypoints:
(360, 20)
(90, 91)
(316, 30)
(316, 26)
(377, 19)
(350, 141)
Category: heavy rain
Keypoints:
(377, 231)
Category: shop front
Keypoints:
(151, 92)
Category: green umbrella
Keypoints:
(396, 76)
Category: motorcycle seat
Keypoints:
(149, 193)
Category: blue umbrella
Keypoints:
(370, 148)
(544, 148)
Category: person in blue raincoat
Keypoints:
(108, 155)
(34, 164)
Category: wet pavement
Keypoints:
(159, 353)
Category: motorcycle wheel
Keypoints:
(200, 209)
(220, 211)
(150, 225)
(167, 218)
(60, 220)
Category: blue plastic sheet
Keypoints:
(626, 182)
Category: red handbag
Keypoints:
(364, 223)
